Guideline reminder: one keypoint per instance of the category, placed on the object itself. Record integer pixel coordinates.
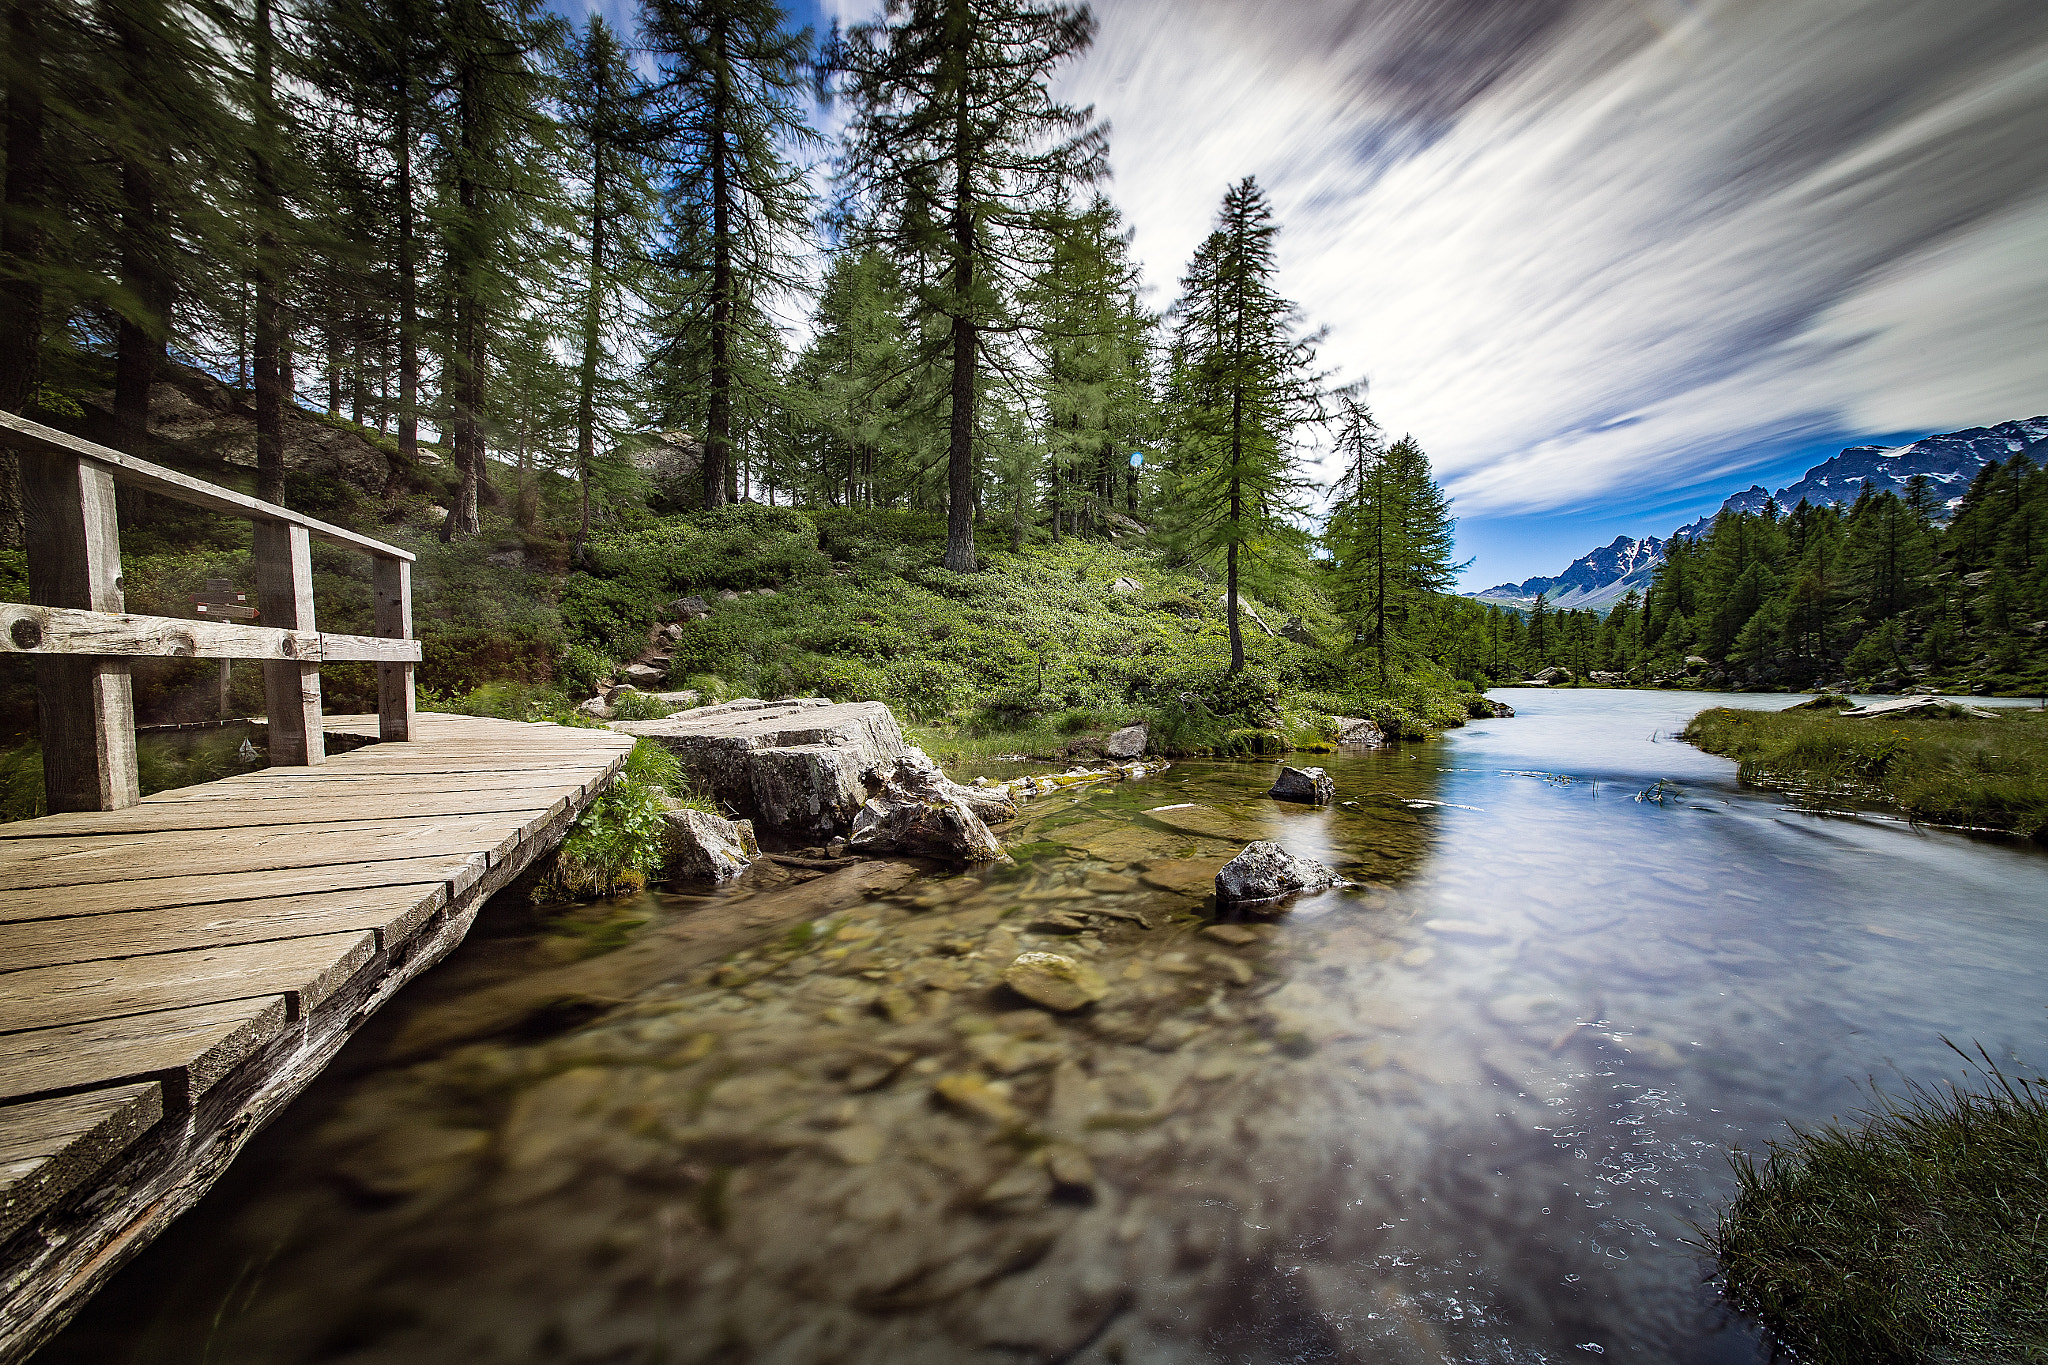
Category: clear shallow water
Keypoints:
(1465, 1112)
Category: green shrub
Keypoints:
(581, 668)
(927, 688)
(639, 706)
(616, 845)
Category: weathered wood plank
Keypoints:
(85, 707)
(261, 813)
(49, 1147)
(305, 970)
(391, 580)
(459, 870)
(35, 438)
(68, 860)
(60, 631)
(186, 1050)
(347, 787)
(393, 913)
(291, 690)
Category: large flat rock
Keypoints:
(803, 766)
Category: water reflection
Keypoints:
(1464, 1111)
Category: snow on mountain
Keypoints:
(1950, 461)
(1595, 579)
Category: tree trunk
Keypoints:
(269, 329)
(959, 555)
(21, 248)
(408, 303)
(718, 419)
(138, 347)
(464, 518)
(593, 336)
(1230, 583)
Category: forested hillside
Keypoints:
(1878, 594)
(594, 322)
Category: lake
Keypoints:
(1469, 1109)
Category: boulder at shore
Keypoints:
(1359, 730)
(918, 809)
(1266, 872)
(1128, 742)
(806, 767)
(1311, 785)
(702, 847)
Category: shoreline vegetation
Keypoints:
(1949, 768)
(1913, 1236)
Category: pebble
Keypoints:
(1056, 982)
(970, 1094)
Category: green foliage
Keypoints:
(640, 706)
(581, 668)
(1915, 1236)
(1953, 770)
(616, 845)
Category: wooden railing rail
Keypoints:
(75, 625)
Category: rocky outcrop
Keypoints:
(1265, 873)
(702, 847)
(1310, 785)
(915, 808)
(808, 768)
(1359, 730)
(1127, 743)
(643, 676)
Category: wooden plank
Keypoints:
(35, 438)
(346, 787)
(50, 1147)
(71, 860)
(391, 580)
(186, 1050)
(458, 870)
(291, 690)
(60, 631)
(393, 913)
(85, 707)
(305, 970)
(307, 809)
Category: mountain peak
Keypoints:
(1949, 461)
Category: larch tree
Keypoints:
(1390, 531)
(1242, 382)
(730, 76)
(612, 145)
(496, 186)
(956, 142)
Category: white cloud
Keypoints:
(1593, 252)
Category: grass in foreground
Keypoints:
(1956, 770)
(1921, 1235)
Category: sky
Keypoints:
(1610, 260)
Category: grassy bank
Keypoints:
(1917, 1236)
(1951, 770)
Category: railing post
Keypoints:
(86, 706)
(291, 690)
(392, 580)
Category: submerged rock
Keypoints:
(1311, 785)
(1267, 872)
(1128, 742)
(1057, 982)
(700, 846)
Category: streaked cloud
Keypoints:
(1590, 252)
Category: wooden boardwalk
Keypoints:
(172, 973)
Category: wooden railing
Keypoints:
(74, 625)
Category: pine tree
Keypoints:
(956, 140)
(1391, 532)
(731, 72)
(1243, 382)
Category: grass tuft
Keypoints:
(1919, 1235)
(1952, 770)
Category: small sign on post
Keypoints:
(220, 602)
